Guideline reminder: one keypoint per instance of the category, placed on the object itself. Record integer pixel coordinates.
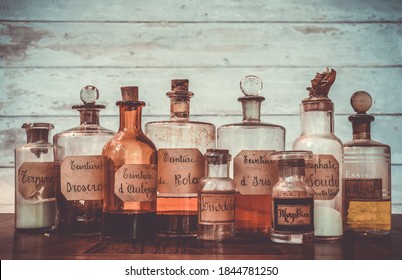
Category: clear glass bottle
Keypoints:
(251, 142)
(292, 200)
(78, 157)
(216, 199)
(181, 144)
(323, 171)
(35, 203)
(366, 175)
(130, 176)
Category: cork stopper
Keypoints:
(179, 85)
(89, 95)
(37, 132)
(251, 87)
(318, 99)
(129, 93)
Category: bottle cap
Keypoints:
(361, 102)
(251, 85)
(89, 94)
(294, 158)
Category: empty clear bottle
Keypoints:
(216, 199)
(35, 203)
(251, 142)
(181, 144)
(366, 175)
(78, 156)
(323, 171)
(292, 200)
(130, 176)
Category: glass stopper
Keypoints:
(89, 94)
(251, 85)
(361, 102)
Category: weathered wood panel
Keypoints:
(38, 91)
(201, 11)
(170, 45)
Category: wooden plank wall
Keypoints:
(50, 49)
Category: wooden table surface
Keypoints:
(18, 245)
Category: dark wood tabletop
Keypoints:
(41, 245)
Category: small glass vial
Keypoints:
(35, 203)
(130, 176)
(181, 144)
(293, 202)
(366, 175)
(251, 142)
(78, 158)
(216, 199)
(323, 171)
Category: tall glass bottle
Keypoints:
(35, 203)
(78, 158)
(293, 202)
(323, 171)
(251, 142)
(181, 144)
(366, 175)
(216, 199)
(130, 176)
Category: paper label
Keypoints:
(36, 180)
(254, 172)
(216, 207)
(293, 214)
(81, 178)
(136, 182)
(180, 170)
(322, 175)
(363, 189)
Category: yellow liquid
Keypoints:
(369, 217)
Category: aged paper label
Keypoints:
(363, 189)
(254, 172)
(294, 212)
(180, 170)
(81, 178)
(136, 182)
(36, 180)
(322, 175)
(216, 207)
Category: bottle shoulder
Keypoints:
(251, 125)
(366, 143)
(178, 124)
(85, 130)
(126, 141)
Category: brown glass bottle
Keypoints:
(130, 176)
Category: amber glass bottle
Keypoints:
(130, 176)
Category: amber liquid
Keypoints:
(369, 217)
(253, 215)
(172, 220)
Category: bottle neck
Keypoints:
(361, 131)
(220, 170)
(35, 135)
(88, 116)
(291, 172)
(179, 108)
(130, 116)
(317, 122)
(251, 110)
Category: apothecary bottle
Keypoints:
(181, 144)
(323, 171)
(366, 175)
(78, 158)
(251, 142)
(216, 199)
(130, 176)
(35, 203)
(292, 200)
